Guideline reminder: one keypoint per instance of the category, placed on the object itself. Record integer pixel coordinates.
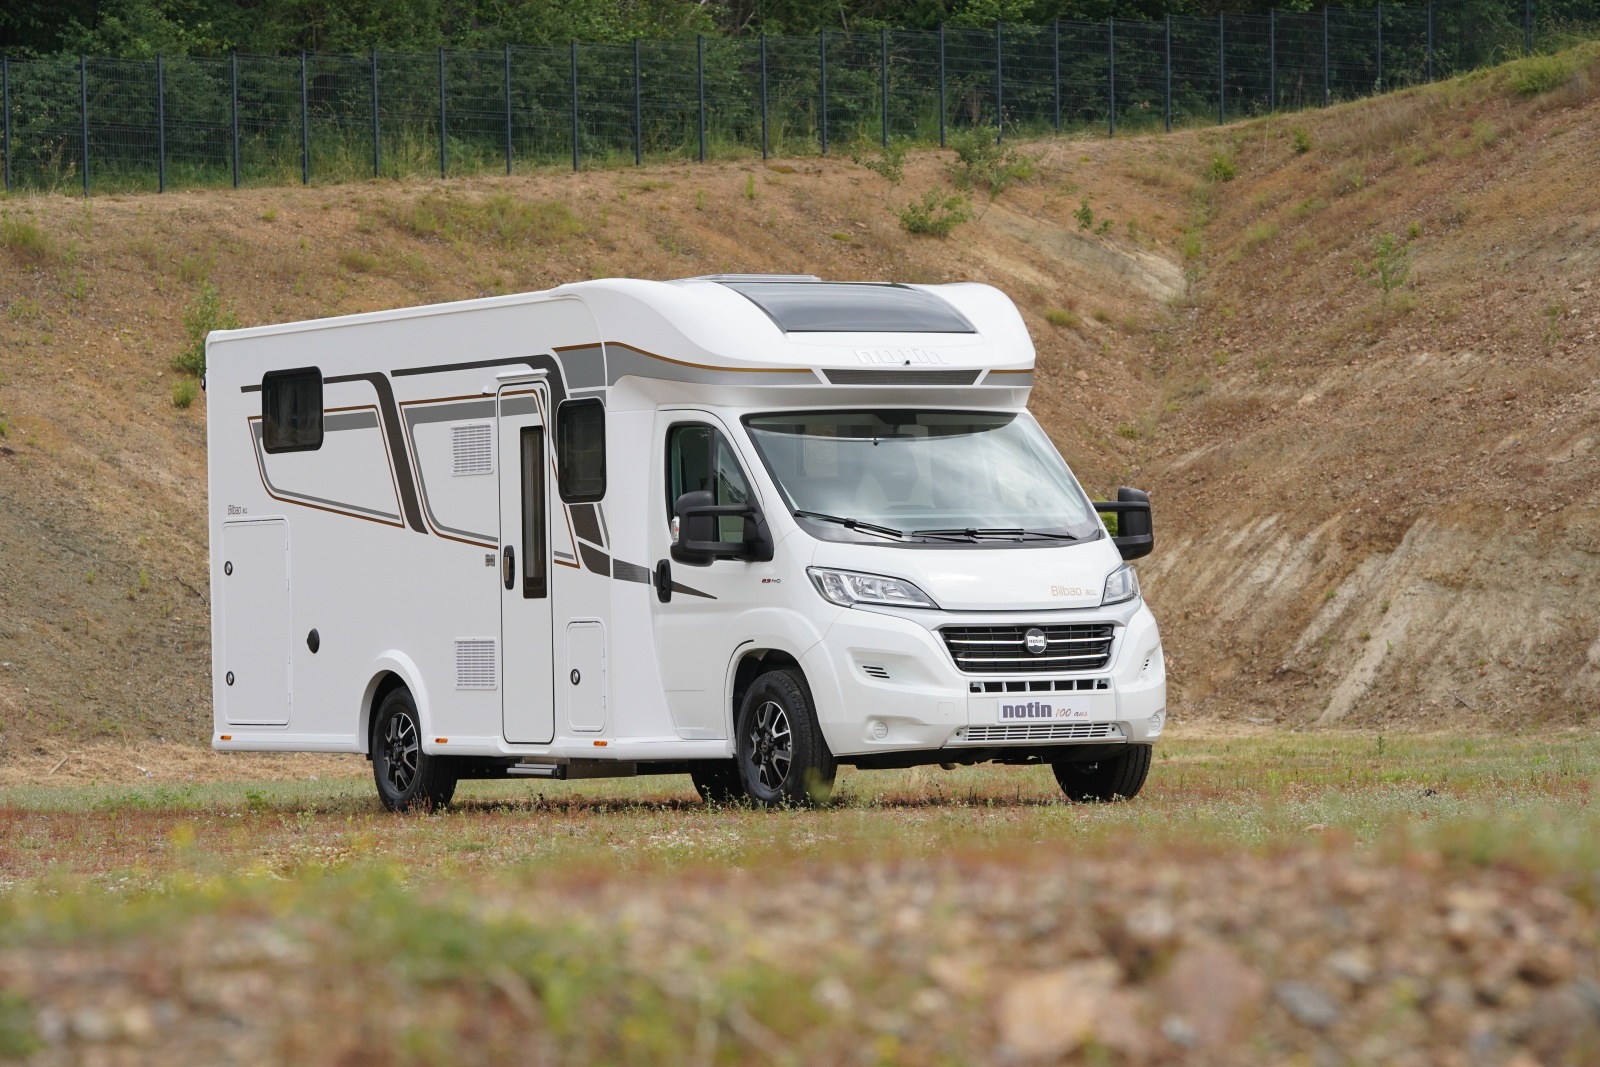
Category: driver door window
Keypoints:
(699, 457)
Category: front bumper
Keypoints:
(884, 682)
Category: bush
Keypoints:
(982, 162)
(1300, 139)
(184, 390)
(1222, 169)
(890, 163)
(1539, 74)
(936, 215)
(202, 316)
(1390, 267)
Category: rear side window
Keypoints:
(291, 410)
(581, 450)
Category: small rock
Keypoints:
(1353, 965)
(1546, 964)
(1051, 1013)
(1309, 1005)
(1215, 992)
(833, 994)
(1081, 376)
(92, 1024)
(1150, 925)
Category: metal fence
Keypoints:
(78, 124)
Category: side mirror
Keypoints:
(1135, 535)
(694, 517)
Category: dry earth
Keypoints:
(1369, 509)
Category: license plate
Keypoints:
(1048, 707)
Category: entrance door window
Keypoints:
(699, 457)
(534, 574)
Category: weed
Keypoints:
(144, 580)
(845, 237)
(1390, 266)
(1084, 215)
(5, 428)
(205, 314)
(749, 186)
(888, 163)
(90, 577)
(1061, 317)
(80, 286)
(184, 391)
(358, 262)
(1540, 74)
(24, 309)
(1259, 234)
(1414, 230)
(1100, 315)
(1222, 168)
(1553, 314)
(1129, 431)
(1220, 359)
(1190, 245)
(982, 162)
(1310, 206)
(935, 214)
(1104, 227)
(1300, 139)
(699, 199)
(270, 215)
(193, 269)
(24, 239)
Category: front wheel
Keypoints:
(783, 759)
(407, 777)
(1118, 777)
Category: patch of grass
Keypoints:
(184, 391)
(500, 218)
(24, 239)
(193, 269)
(983, 162)
(1222, 168)
(1259, 234)
(841, 236)
(204, 314)
(1061, 317)
(270, 215)
(936, 214)
(358, 262)
(1129, 431)
(1540, 74)
(1310, 206)
(24, 309)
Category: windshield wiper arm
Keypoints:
(853, 524)
(976, 532)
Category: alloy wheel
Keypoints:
(770, 745)
(400, 750)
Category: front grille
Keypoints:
(1083, 646)
(1040, 731)
(901, 377)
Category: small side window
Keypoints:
(581, 450)
(291, 410)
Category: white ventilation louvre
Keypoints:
(475, 668)
(472, 448)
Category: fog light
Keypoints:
(880, 730)
(1157, 721)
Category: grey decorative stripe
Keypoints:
(339, 505)
(458, 411)
(595, 559)
(350, 420)
(630, 572)
(585, 367)
(849, 376)
(676, 588)
(623, 361)
(585, 524)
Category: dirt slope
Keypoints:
(1363, 512)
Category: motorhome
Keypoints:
(746, 528)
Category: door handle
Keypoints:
(508, 566)
(663, 581)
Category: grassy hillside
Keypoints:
(1371, 504)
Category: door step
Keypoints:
(573, 769)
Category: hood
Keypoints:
(988, 579)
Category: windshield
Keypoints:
(944, 476)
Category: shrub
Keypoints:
(982, 162)
(1390, 266)
(936, 215)
(184, 390)
(202, 316)
(1539, 74)
(1061, 317)
(1300, 139)
(1084, 215)
(358, 262)
(1222, 169)
(890, 163)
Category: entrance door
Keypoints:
(527, 652)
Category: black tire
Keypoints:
(407, 777)
(1118, 777)
(782, 758)
(718, 781)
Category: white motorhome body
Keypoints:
(566, 534)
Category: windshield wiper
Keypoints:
(974, 533)
(853, 524)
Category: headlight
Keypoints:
(1123, 585)
(848, 588)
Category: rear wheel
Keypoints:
(407, 776)
(718, 782)
(783, 759)
(1118, 777)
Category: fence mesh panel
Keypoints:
(107, 124)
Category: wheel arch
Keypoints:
(390, 671)
(749, 663)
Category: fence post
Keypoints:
(1430, 40)
(161, 125)
(883, 81)
(1527, 27)
(305, 126)
(233, 110)
(999, 88)
(700, 87)
(506, 77)
(1327, 79)
(573, 74)
(1222, 69)
(377, 130)
(764, 139)
(638, 110)
(1055, 71)
(941, 85)
(1272, 58)
(444, 144)
(1111, 76)
(5, 108)
(83, 112)
(822, 83)
(1379, 83)
(1166, 103)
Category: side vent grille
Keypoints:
(876, 672)
(472, 448)
(475, 666)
